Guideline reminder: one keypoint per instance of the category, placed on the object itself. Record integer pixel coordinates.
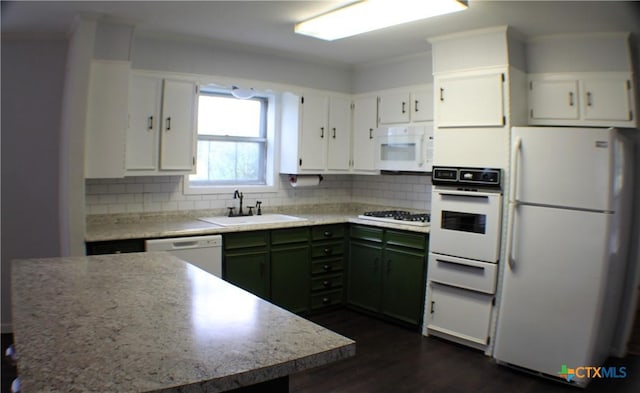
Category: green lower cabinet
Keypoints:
(290, 271)
(249, 271)
(386, 274)
(363, 276)
(403, 285)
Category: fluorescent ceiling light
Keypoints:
(368, 15)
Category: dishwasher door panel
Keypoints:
(204, 252)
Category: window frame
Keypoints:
(269, 150)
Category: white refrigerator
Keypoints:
(566, 248)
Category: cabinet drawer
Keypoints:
(326, 266)
(322, 232)
(366, 233)
(459, 312)
(325, 299)
(245, 240)
(405, 239)
(327, 282)
(293, 235)
(463, 273)
(327, 250)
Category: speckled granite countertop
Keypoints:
(147, 227)
(151, 322)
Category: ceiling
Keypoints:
(268, 25)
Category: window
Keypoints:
(234, 143)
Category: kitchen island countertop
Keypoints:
(151, 322)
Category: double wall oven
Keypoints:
(466, 208)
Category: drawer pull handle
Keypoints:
(432, 303)
(326, 284)
(463, 265)
(326, 300)
(328, 251)
(327, 267)
(327, 234)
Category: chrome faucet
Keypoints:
(238, 195)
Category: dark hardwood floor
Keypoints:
(394, 359)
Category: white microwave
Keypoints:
(404, 148)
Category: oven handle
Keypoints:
(421, 163)
(472, 194)
(513, 203)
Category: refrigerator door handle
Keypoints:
(513, 203)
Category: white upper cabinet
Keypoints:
(470, 100)
(106, 120)
(316, 134)
(364, 123)
(553, 99)
(590, 99)
(422, 105)
(161, 137)
(405, 106)
(339, 138)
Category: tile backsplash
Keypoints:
(164, 194)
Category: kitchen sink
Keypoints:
(251, 220)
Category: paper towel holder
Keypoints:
(293, 179)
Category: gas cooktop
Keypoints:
(398, 217)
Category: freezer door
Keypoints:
(553, 290)
(569, 167)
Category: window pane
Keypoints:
(230, 163)
(219, 115)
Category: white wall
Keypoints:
(32, 85)
(193, 56)
(404, 71)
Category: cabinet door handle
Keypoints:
(370, 133)
(169, 123)
(432, 310)
(570, 98)
(588, 98)
(321, 132)
(441, 94)
(334, 133)
(415, 106)
(403, 107)
(150, 122)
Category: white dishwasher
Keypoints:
(202, 251)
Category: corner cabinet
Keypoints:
(106, 121)
(604, 99)
(316, 134)
(161, 137)
(386, 273)
(470, 99)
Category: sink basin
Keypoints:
(251, 220)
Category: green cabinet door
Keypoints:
(363, 275)
(290, 282)
(249, 271)
(403, 283)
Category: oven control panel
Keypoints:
(479, 177)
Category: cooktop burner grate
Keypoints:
(406, 217)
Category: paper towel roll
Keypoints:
(304, 180)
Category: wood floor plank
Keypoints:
(394, 359)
